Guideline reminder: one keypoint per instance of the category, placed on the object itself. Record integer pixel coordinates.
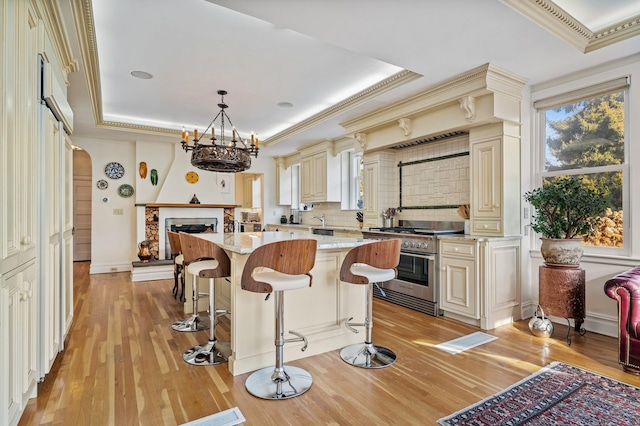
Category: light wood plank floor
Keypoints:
(123, 366)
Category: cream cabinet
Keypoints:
(370, 196)
(459, 292)
(480, 280)
(381, 183)
(18, 340)
(319, 174)
(495, 180)
(284, 183)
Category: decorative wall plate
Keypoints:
(143, 170)
(125, 191)
(192, 177)
(154, 177)
(102, 184)
(114, 170)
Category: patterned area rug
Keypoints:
(558, 394)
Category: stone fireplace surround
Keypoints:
(150, 216)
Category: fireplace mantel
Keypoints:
(201, 206)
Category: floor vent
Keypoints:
(420, 305)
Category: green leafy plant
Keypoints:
(565, 208)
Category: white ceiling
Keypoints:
(313, 54)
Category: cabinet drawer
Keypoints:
(458, 249)
(482, 227)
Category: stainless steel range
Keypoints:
(416, 286)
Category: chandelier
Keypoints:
(221, 156)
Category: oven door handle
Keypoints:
(419, 256)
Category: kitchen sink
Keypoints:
(323, 231)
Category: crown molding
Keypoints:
(560, 23)
(482, 80)
(83, 17)
(390, 83)
(49, 13)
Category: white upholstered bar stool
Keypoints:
(178, 263)
(205, 259)
(369, 264)
(276, 268)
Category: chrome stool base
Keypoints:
(193, 323)
(367, 355)
(208, 354)
(268, 383)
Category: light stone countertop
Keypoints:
(477, 237)
(246, 242)
(314, 226)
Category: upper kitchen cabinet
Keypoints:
(319, 174)
(378, 187)
(495, 179)
(288, 181)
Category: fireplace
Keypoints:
(189, 225)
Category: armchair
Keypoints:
(625, 288)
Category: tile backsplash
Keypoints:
(434, 183)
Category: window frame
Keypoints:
(540, 107)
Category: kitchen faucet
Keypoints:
(321, 217)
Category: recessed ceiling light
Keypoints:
(285, 104)
(141, 74)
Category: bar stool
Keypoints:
(178, 262)
(279, 267)
(369, 264)
(205, 259)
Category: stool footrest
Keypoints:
(350, 325)
(299, 338)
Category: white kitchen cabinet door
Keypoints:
(370, 196)
(495, 180)
(18, 305)
(459, 291)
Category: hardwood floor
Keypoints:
(123, 366)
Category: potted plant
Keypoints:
(567, 210)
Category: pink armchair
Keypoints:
(625, 288)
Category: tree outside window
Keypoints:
(587, 138)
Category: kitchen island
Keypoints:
(317, 312)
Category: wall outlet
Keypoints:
(525, 213)
(118, 212)
(114, 269)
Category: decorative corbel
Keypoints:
(405, 125)
(361, 138)
(468, 105)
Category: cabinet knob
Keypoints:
(456, 249)
(23, 296)
(26, 240)
(443, 268)
(485, 226)
(496, 205)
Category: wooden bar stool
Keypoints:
(369, 264)
(178, 262)
(276, 268)
(205, 259)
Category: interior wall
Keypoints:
(114, 221)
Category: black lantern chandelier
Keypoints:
(224, 156)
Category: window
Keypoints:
(352, 182)
(583, 134)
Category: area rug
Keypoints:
(558, 394)
(463, 343)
